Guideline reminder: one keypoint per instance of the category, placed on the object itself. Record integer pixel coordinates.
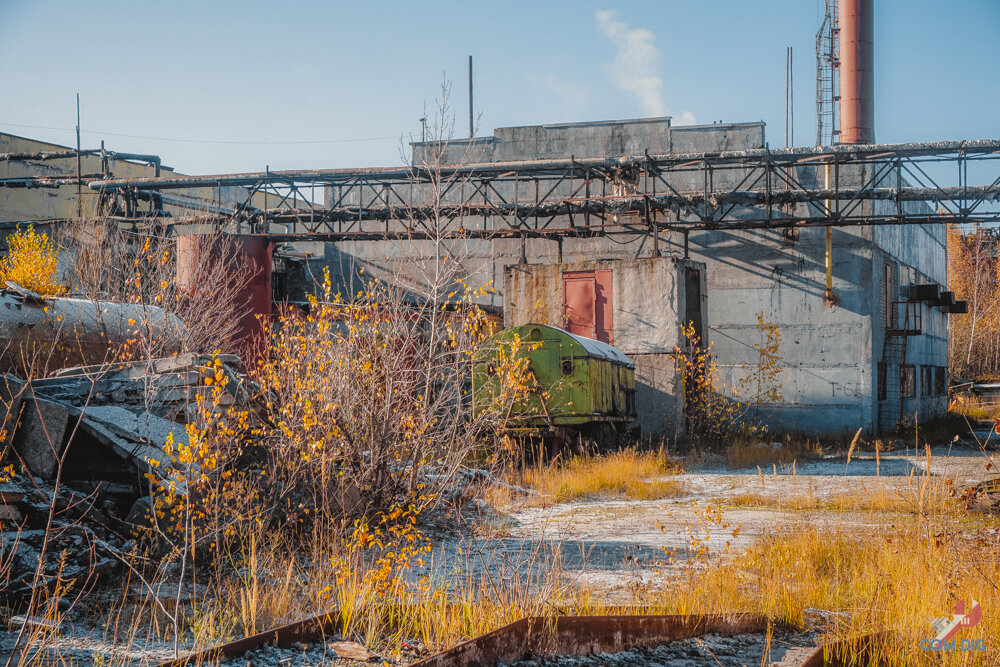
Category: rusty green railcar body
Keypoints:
(578, 383)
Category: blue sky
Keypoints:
(178, 75)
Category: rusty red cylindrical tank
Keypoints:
(251, 254)
(42, 335)
(857, 71)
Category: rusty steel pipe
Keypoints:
(500, 169)
(72, 331)
(857, 71)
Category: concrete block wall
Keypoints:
(826, 351)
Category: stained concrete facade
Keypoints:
(832, 355)
(650, 299)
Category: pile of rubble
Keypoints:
(85, 440)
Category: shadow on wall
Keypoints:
(788, 263)
(350, 274)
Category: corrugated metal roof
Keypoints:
(601, 350)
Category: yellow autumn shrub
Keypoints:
(32, 262)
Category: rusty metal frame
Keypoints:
(558, 635)
(587, 635)
(760, 188)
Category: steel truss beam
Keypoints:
(843, 185)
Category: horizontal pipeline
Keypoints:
(841, 153)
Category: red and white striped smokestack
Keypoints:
(857, 71)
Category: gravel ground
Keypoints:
(736, 651)
(301, 655)
(618, 544)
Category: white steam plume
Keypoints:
(634, 67)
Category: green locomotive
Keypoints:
(578, 387)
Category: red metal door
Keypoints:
(579, 299)
(587, 304)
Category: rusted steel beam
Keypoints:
(68, 154)
(562, 635)
(52, 181)
(587, 635)
(864, 650)
(311, 629)
(45, 155)
(635, 203)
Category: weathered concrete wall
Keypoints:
(919, 253)
(648, 303)
(825, 374)
(830, 355)
(545, 142)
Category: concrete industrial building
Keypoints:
(868, 357)
(61, 199)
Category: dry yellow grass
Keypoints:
(892, 578)
(975, 409)
(894, 581)
(921, 496)
(744, 452)
(629, 473)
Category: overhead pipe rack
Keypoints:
(751, 189)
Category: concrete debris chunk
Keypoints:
(350, 650)
(40, 435)
(46, 624)
(131, 410)
(165, 386)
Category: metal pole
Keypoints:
(79, 180)
(828, 296)
(791, 98)
(788, 67)
(472, 128)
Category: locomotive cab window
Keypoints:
(567, 366)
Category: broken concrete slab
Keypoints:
(143, 425)
(145, 457)
(159, 385)
(12, 390)
(40, 435)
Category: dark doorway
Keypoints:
(692, 301)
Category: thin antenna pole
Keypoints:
(791, 97)
(423, 125)
(79, 179)
(471, 124)
(788, 67)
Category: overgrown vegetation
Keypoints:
(717, 411)
(974, 276)
(32, 262)
(629, 473)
